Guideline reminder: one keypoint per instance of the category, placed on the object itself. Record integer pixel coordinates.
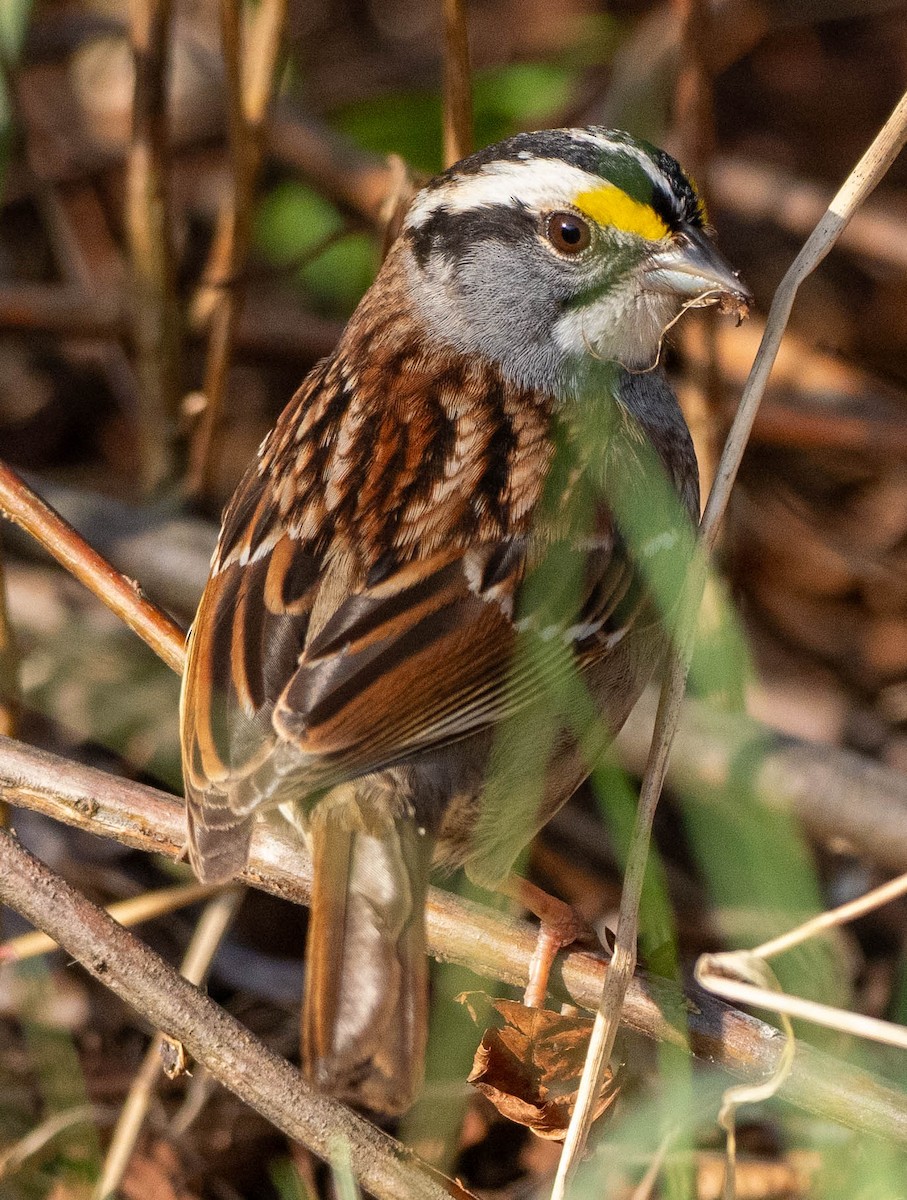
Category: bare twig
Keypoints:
(148, 227)
(487, 942)
(265, 1081)
(133, 911)
(251, 67)
(206, 938)
(861, 181)
(457, 88)
(12, 1157)
(20, 504)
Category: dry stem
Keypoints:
(457, 89)
(250, 68)
(148, 227)
(861, 181)
(20, 504)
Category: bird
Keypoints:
(437, 583)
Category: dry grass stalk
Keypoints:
(250, 61)
(12, 1157)
(458, 138)
(133, 911)
(730, 974)
(206, 938)
(155, 315)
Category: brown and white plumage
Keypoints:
(357, 652)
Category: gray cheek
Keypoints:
(512, 300)
(503, 302)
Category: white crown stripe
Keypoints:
(539, 183)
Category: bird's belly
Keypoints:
(533, 766)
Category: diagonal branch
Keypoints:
(20, 504)
(266, 1082)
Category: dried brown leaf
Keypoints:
(530, 1061)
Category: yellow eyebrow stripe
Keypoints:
(610, 206)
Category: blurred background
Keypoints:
(174, 259)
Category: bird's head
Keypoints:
(554, 249)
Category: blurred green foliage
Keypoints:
(303, 234)
(14, 15)
(505, 99)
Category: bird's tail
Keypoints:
(364, 1016)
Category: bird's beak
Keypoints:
(692, 269)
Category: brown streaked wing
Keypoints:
(245, 645)
(426, 658)
(387, 672)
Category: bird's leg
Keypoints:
(561, 926)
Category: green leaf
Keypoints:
(293, 221)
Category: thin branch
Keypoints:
(694, 135)
(861, 181)
(149, 232)
(488, 942)
(206, 938)
(458, 136)
(266, 1082)
(12, 1157)
(20, 504)
(251, 68)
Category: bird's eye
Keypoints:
(568, 233)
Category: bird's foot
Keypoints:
(561, 926)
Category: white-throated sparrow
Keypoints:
(455, 475)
